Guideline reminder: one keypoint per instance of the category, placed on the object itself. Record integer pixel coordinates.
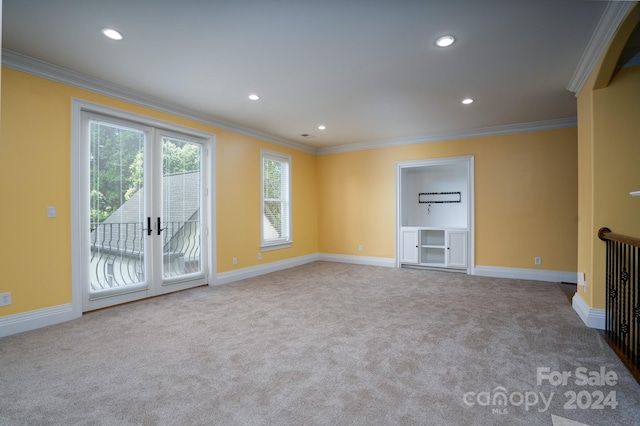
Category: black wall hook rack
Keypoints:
(439, 197)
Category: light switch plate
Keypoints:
(5, 299)
(581, 280)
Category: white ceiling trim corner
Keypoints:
(62, 75)
(58, 74)
(607, 27)
(560, 123)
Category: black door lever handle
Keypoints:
(149, 230)
(159, 228)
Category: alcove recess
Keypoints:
(434, 211)
(447, 181)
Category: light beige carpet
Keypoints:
(321, 344)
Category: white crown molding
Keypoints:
(608, 25)
(49, 71)
(560, 123)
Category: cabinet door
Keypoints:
(457, 249)
(409, 252)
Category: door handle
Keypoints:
(159, 228)
(148, 228)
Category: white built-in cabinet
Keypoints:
(435, 226)
(434, 247)
(409, 249)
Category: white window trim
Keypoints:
(280, 243)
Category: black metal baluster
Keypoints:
(624, 277)
(609, 287)
(614, 287)
(620, 294)
(633, 272)
(623, 294)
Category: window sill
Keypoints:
(276, 246)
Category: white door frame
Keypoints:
(78, 279)
(469, 162)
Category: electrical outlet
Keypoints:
(235, 261)
(259, 256)
(5, 299)
(538, 261)
(360, 248)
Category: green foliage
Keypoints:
(97, 199)
(136, 178)
(272, 192)
(113, 149)
(117, 165)
(179, 157)
(272, 179)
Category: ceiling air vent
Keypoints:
(307, 135)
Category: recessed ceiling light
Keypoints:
(467, 101)
(322, 127)
(445, 41)
(112, 34)
(254, 97)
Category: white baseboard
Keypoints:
(593, 318)
(359, 260)
(255, 271)
(525, 274)
(32, 320)
(26, 321)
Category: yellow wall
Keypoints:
(35, 153)
(541, 193)
(616, 153)
(586, 232)
(525, 193)
(238, 198)
(608, 129)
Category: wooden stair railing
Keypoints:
(623, 297)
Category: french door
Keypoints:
(145, 211)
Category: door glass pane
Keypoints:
(181, 193)
(116, 206)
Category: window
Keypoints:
(275, 222)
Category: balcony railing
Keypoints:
(623, 296)
(118, 250)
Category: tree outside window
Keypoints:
(276, 190)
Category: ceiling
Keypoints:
(368, 70)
